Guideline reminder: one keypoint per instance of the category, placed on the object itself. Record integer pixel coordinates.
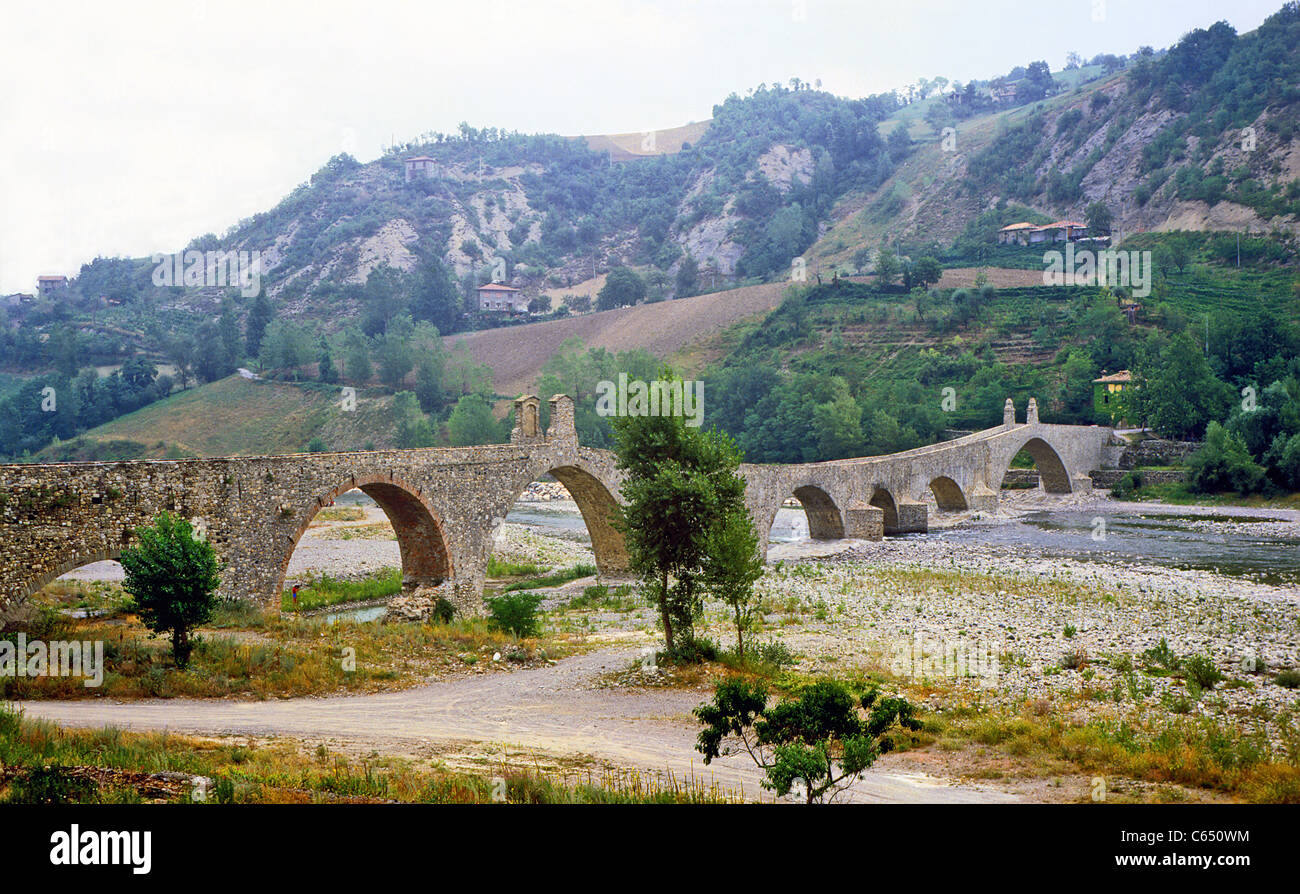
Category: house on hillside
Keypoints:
(497, 297)
(1110, 393)
(421, 166)
(1061, 231)
(1025, 233)
(49, 286)
(1017, 233)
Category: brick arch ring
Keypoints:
(421, 537)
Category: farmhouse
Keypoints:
(46, 286)
(1025, 233)
(421, 166)
(498, 297)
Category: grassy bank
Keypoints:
(45, 763)
(1181, 494)
(247, 652)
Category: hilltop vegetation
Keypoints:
(364, 271)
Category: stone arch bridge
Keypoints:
(446, 504)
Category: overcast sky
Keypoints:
(130, 128)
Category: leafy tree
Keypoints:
(173, 577)
(1037, 83)
(259, 317)
(1224, 464)
(211, 360)
(394, 351)
(1181, 394)
(926, 271)
(286, 345)
(733, 562)
(325, 370)
(436, 298)
(687, 281)
(818, 738)
(681, 481)
(1098, 217)
(471, 422)
(887, 267)
(413, 427)
(622, 287)
(356, 357)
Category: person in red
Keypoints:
(295, 597)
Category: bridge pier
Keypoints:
(981, 499)
(862, 521)
(913, 518)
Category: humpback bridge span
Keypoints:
(446, 504)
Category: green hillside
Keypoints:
(235, 416)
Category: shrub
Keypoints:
(51, 785)
(515, 613)
(1162, 656)
(443, 611)
(1224, 464)
(1200, 670)
(1288, 679)
(1127, 486)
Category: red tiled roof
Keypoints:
(496, 287)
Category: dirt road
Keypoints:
(553, 710)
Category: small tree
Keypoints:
(819, 737)
(1098, 218)
(926, 271)
(887, 267)
(173, 577)
(680, 482)
(732, 564)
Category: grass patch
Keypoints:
(340, 513)
(501, 568)
(326, 590)
(554, 579)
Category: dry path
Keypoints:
(555, 710)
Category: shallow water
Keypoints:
(1201, 542)
(369, 613)
(1210, 542)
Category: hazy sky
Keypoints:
(130, 128)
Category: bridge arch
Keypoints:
(825, 521)
(948, 494)
(81, 559)
(596, 503)
(1053, 474)
(883, 500)
(421, 537)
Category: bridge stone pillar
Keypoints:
(862, 521)
(1080, 484)
(1031, 414)
(528, 424)
(982, 499)
(913, 517)
(562, 429)
(1009, 413)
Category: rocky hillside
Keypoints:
(1205, 136)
